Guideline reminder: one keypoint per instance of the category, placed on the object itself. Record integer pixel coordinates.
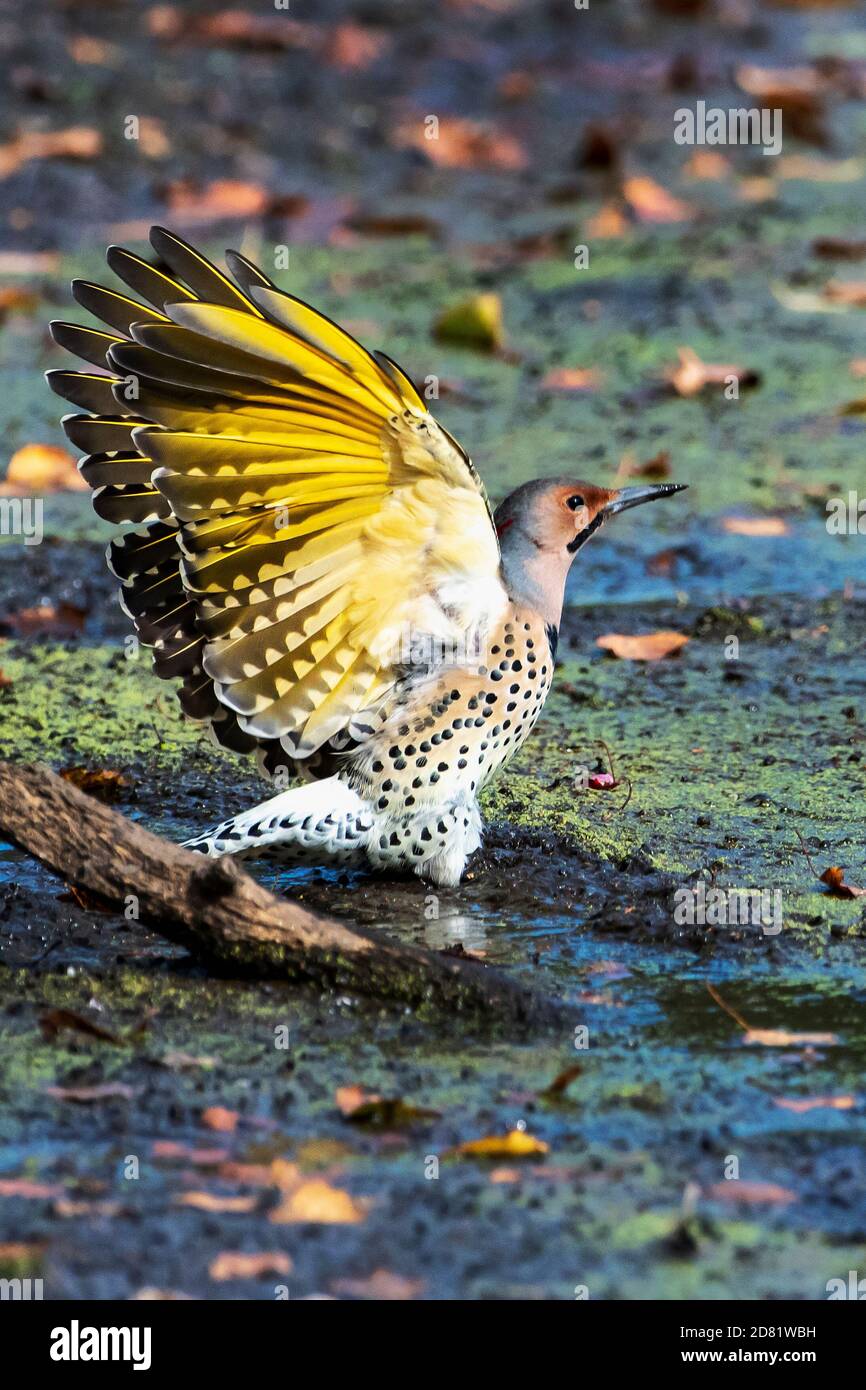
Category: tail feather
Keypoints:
(325, 820)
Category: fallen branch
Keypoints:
(227, 919)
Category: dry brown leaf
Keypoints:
(63, 621)
(834, 877)
(516, 1143)
(170, 1151)
(692, 375)
(652, 203)
(237, 1264)
(755, 525)
(560, 1083)
(851, 293)
(211, 1201)
(775, 1037)
(25, 1187)
(87, 1095)
(708, 164)
(185, 1061)
(837, 248)
(659, 466)
(222, 200)
(15, 299)
(6, 682)
(351, 47)
(105, 784)
(363, 1107)
(462, 144)
(382, 1285)
(54, 1021)
(645, 646)
(149, 1294)
(218, 1118)
(231, 28)
(42, 468)
(29, 262)
(71, 1210)
(76, 142)
(606, 224)
(751, 1193)
(318, 1202)
(802, 1106)
(571, 379)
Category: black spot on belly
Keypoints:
(552, 634)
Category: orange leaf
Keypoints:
(571, 379)
(317, 1201)
(84, 1095)
(753, 1193)
(755, 525)
(382, 1285)
(692, 375)
(646, 646)
(354, 47)
(772, 1037)
(834, 877)
(461, 144)
(24, 1187)
(652, 203)
(77, 142)
(42, 468)
(609, 222)
(219, 201)
(218, 1118)
(210, 1201)
(236, 1264)
(807, 1103)
(105, 784)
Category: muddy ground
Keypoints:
(723, 753)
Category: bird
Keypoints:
(314, 559)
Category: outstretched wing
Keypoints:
(302, 521)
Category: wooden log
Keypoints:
(224, 917)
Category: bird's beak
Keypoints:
(635, 496)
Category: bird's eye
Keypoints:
(574, 502)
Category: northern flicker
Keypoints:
(315, 560)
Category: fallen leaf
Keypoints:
(105, 784)
(185, 1061)
(708, 164)
(210, 1201)
(63, 621)
(218, 1118)
(170, 1151)
(802, 1106)
(652, 203)
(6, 682)
(352, 47)
(394, 224)
(773, 1037)
(837, 248)
(54, 1021)
(236, 1264)
(222, 200)
(571, 379)
(76, 142)
(231, 29)
(750, 1193)
(834, 878)
(458, 143)
(382, 1285)
(659, 466)
(87, 1095)
(71, 1210)
(42, 468)
(474, 322)
(20, 1258)
(755, 525)
(364, 1108)
(318, 1202)
(149, 1294)
(516, 1143)
(560, 1083)
(799, 93)
(692, 375)
(25, 1187)
(646, 646)
(607, 223)
(29, 262)
(88, 902)
(14, 299)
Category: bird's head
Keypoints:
(542, 525)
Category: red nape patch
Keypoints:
(501, 529)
